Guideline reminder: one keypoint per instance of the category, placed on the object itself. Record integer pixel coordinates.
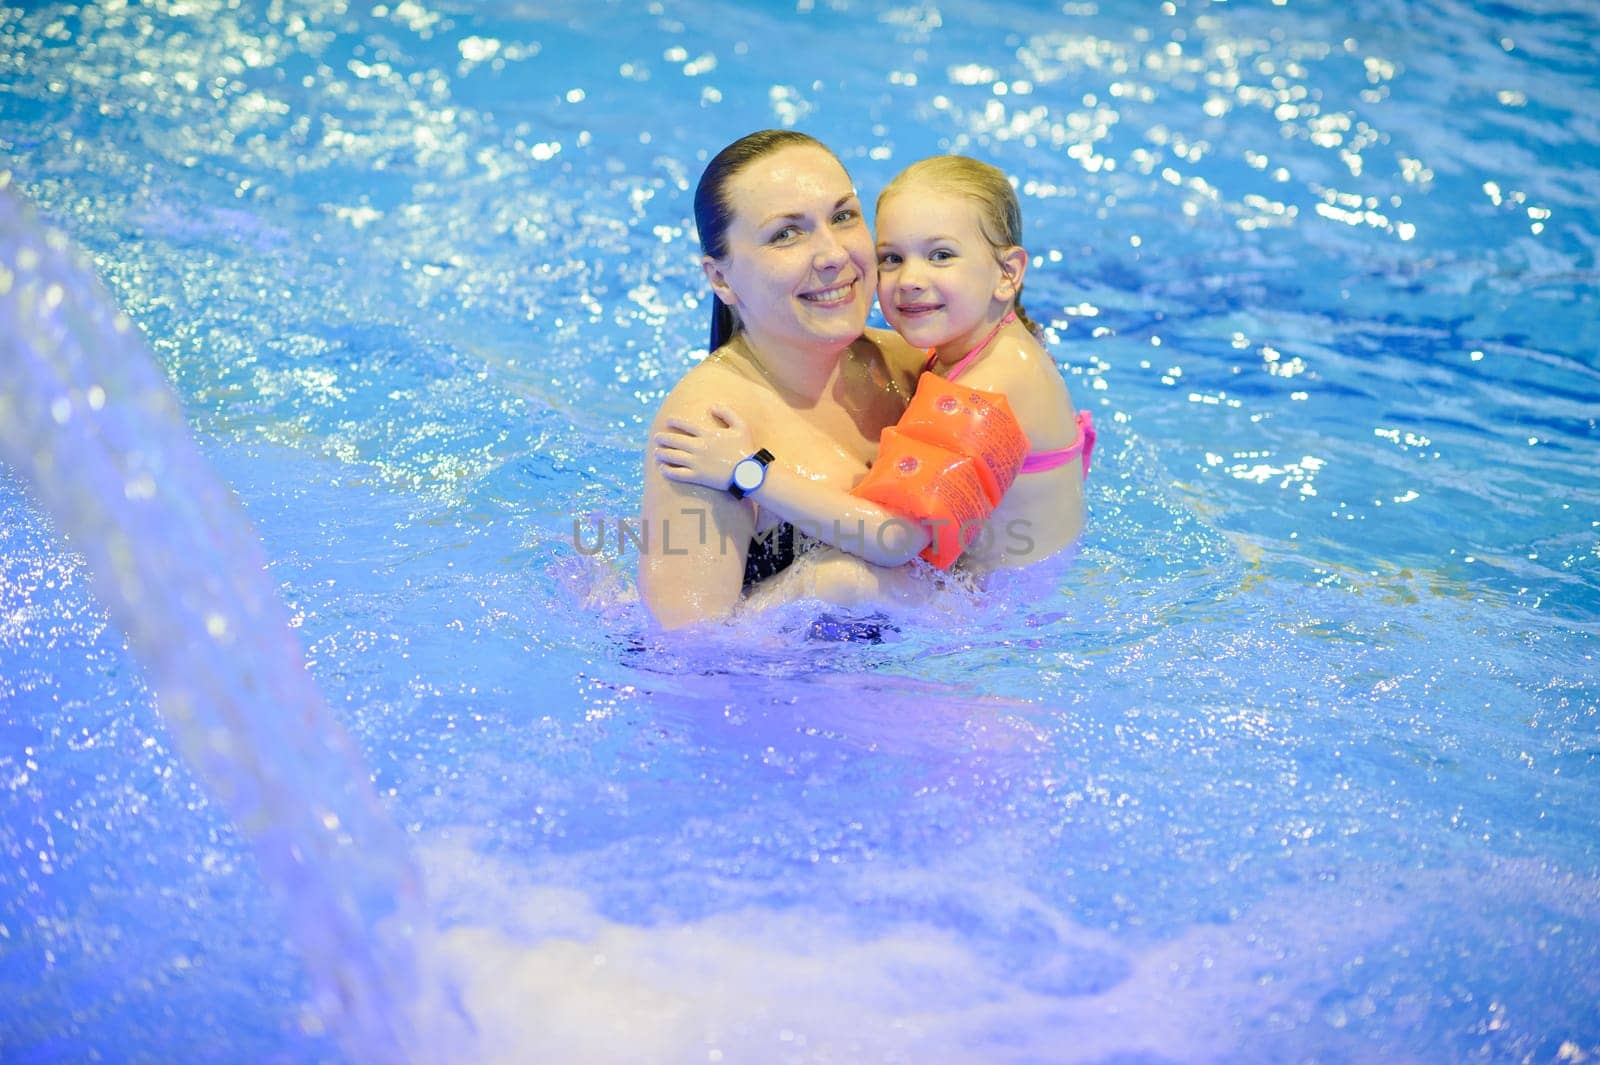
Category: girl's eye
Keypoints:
(888, 258)
(941, 255)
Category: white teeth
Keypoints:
(830, 295)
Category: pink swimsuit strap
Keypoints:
(966, 360)
(1039, 461)
(1036, 461)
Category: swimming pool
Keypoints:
(1298, 762)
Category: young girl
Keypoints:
(950, 272)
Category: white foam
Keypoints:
(546, 977)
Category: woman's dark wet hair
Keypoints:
(713, 212)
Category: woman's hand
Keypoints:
(703, 454)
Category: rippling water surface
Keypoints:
(1299, 761)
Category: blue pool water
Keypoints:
(1297, 763)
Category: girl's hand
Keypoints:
(703, 454)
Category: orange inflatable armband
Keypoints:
(971, 422)
(947, 463)
(936, 487)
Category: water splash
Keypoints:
(89, 423)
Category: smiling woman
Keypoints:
(791, 261)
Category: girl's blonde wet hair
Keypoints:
(989, 190)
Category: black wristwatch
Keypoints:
(749, 474)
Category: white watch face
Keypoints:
(748, 474)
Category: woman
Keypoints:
(793, 267)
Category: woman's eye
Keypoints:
(786, 233)
(848, 214)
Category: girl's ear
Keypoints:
(719, 280)
(1013, 264)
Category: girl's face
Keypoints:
(800, 269)
(939, 282)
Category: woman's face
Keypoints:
(800, 269)
(939, 283)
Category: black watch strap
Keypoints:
(762, 456)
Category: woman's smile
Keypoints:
(836, 296)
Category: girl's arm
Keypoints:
(693, 453)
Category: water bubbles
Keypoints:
(478, 49)
(139, 488)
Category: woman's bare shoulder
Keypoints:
(711, 381)
(895, 347)
(904, 360)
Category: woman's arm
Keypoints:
(694, 452)
(691, 567)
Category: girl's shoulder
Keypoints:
(1027, 375)
(1015, 362)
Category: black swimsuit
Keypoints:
(771, 552)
